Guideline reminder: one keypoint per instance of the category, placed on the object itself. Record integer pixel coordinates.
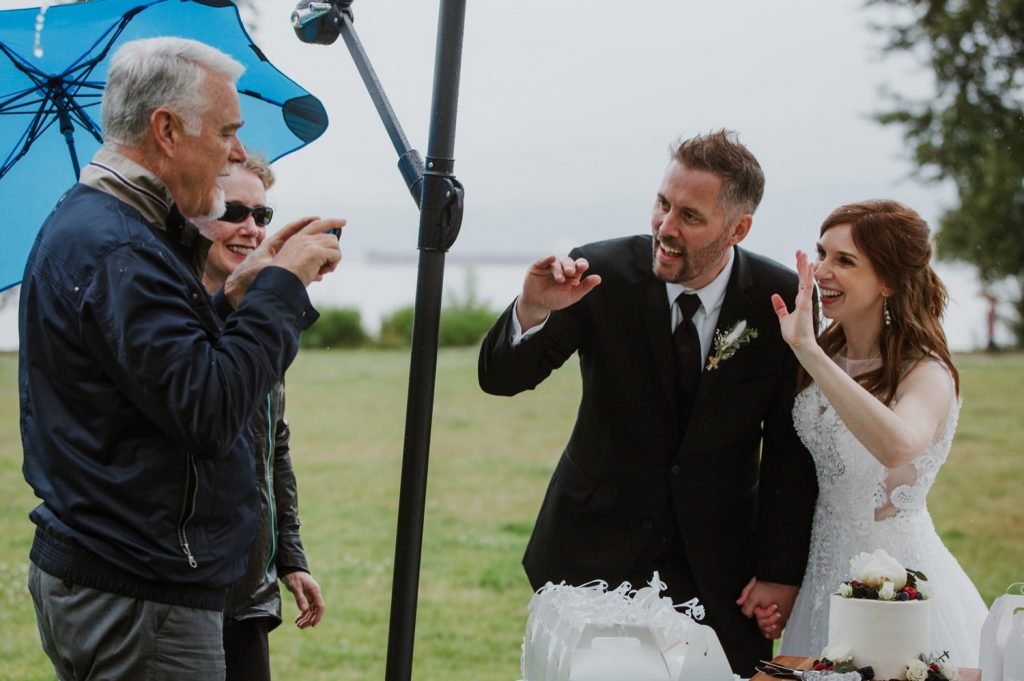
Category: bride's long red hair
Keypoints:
(895, 239)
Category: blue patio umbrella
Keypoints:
(51, 83)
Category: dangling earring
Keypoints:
(885, 311)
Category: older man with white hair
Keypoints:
(137, 387)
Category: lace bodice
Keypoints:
(862, 506)
(848, 474)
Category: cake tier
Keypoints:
(883, 634)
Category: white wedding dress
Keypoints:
(862, 506)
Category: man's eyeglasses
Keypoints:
(238, 212)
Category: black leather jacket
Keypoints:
(277, 550)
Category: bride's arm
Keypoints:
(894, 437)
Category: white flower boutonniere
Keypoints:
(728, 342)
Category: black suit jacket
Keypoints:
(741, 483)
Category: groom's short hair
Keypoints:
(721, 154)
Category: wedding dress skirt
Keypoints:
(862, 506)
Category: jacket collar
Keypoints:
(113, 173)
(117, 175)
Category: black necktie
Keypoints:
(688, 354)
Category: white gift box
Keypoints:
(699, 657)
(615, 658)
(1013, 650)
(995, 631)
(590, 634)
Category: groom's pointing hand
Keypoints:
(552, 283)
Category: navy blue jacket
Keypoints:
(137, 391)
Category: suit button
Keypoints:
(647, 524)
(676, 468)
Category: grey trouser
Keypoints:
(91, 635)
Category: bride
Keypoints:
(877, 410)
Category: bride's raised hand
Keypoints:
(798, 326)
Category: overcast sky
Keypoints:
(568, 107)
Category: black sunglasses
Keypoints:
(237, 212)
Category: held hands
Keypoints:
(768, 602)
(304, 247)
(552, 283)
(798, 326)
(308, 598)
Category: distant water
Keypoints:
(379, 287)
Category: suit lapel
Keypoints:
(657, 319)
(735, 307)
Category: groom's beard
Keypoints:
(694, 263)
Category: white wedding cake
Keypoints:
(881, 618)
(588, 633)
(883, 635)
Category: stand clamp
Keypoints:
(442, 204)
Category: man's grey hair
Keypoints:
(148, 74)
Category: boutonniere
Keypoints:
(728, 342)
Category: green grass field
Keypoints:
(490, 462)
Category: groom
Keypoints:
(683, 458)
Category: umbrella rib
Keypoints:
(34, 74)
(32, 132)
(116, 28)
(77, 74)
(77, 109)
(19, 102)
(62, 90)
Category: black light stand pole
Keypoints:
(439, 196)
(440, 219)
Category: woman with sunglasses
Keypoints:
(243, 225)
(254, 602)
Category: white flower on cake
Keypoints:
(875, 569)
(917, 671)
(837, 653)
(925, 668)
(887, 592)
(879, 576)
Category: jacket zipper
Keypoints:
(268, 476)
(188, 507)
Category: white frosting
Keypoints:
(885, 635)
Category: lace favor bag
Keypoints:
(996, 629)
